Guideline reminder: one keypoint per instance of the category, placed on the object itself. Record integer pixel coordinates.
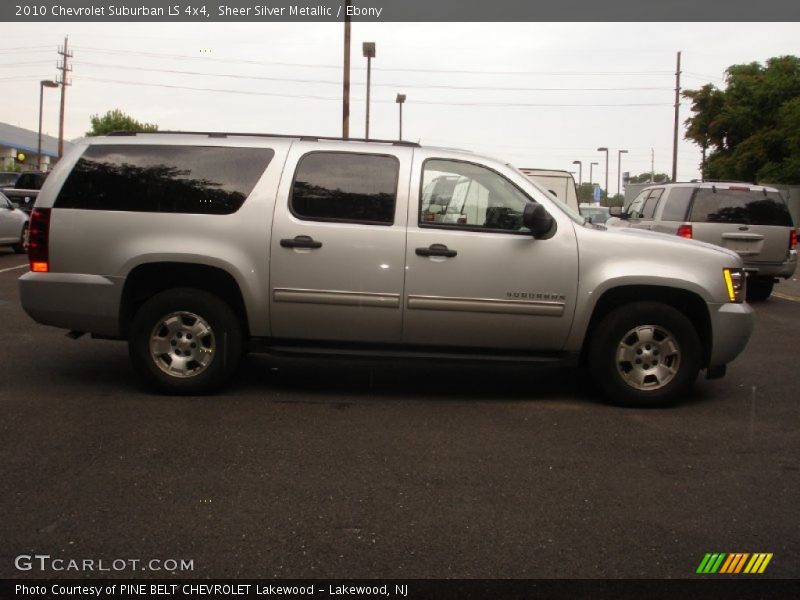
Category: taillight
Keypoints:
(38, 240)
(685, 231)
(793, 239)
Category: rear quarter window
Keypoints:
(160, 178)
(751, 207)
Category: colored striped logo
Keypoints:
(734, 563)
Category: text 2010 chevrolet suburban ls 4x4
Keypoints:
(197, 247)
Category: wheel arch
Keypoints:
(688, 303)
(148, 279)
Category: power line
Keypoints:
(397, 69)
(26, 64)
(392, 85)
(29, 50)
(332, 98)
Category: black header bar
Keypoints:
(382, 11)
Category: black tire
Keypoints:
(167, 321)
(22, 247)
(759, 289)
(667, 366)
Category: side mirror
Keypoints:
(616, 211)
(537, 219)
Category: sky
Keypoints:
(533, 94)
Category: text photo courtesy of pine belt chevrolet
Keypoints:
(196, 248)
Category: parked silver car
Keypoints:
(751, 220)
(13, 226)
(196, 247)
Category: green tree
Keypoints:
(645, 178)
(752, 127)
(586, 192)
(116, 120)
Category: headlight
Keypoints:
(735, 282)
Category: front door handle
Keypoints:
(300, 241)
(436, 250)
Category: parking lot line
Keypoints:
(786, 296)
(13, 268)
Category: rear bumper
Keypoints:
(731, 327)
(782, 270)
(74, 301)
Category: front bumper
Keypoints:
(731, 327)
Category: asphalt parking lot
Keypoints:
(325, 470)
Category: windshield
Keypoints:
(572, 214)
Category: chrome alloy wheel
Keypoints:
(182, 344)
(648, 357)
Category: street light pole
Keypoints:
(346, 75)
(591, 166)
(580, 171)
(603, 149)
(401, 98)
(368, 49)
(42, 84)
(619, 168)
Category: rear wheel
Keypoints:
(644, 354)
(759, 288)
(22, 246)
(185, 341)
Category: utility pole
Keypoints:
(652, 165)
(346, 78)
(63, 80)
(677, 119)
(369, 54)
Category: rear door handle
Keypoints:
(300, 241)
(436, 250)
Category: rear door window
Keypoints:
(345, 187)
(740, 205)
(651, 203)
(161, 178)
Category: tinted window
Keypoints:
(651, 203)
(30, 181)
(342, 186)
(175, 179)
(677, 204)
(475, 197)
(8, 179)
(752, 207)
(635, 208)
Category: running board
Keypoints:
(295, 350)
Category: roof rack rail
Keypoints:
(305, 138)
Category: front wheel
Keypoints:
(644, 354)
(185, 341)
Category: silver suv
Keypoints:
(751, 220)
(196, 248)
